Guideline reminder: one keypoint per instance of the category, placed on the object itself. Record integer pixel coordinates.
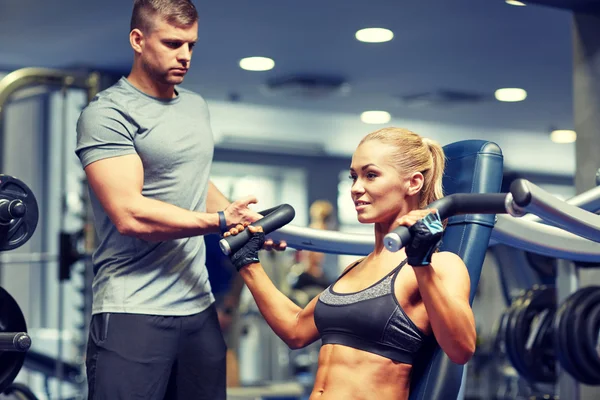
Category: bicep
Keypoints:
(105, 146)
(116, 182)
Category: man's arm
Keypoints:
(118, 182)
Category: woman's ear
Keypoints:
(415, 183)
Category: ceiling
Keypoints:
(472, 47)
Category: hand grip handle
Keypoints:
(274, 218)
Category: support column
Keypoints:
(586, 91)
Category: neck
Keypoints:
(383, 228)
(142, 81)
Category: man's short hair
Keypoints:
(181, 13)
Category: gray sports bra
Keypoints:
(370, 320)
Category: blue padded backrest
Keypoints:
(473, 166)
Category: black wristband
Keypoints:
(222, 222)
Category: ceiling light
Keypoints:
(515, 3)
(375, 117)
(510, 94)
(257, 63)
(374, 35)
(563, 136)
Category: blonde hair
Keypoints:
(414, 153)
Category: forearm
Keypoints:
(451, 321)
(279, 311)
(154, 220)
(215, 200)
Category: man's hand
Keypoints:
(238, 213)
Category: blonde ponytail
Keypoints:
(432, 186)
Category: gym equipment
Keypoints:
(526, 329)
(18, 220)
(14, 341)
(273, 219)
(526, 233)
(544, 266)
(536, 335)
(18, 213)
(20, 392)
(576, 330)
(528, 197)
(450, 206)
(27, 77)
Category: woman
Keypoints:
(374, 319)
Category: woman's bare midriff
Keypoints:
(351, 374)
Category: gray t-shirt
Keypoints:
(174, 140)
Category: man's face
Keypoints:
(167, 51)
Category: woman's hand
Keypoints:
(268, 245)
(248, 254)
(427, 230)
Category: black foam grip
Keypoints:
(274, 218)
(405, 235)
(454, 204)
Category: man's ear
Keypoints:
(136, 39)
(415, 183)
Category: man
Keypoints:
(147, 147)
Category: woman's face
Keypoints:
(378, 189)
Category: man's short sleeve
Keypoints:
(103, 132)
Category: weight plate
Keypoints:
(562, 343)
(585, 361)
(512, 350)
(532, 339)
(11, 320)
(19, 230)
(592, 330)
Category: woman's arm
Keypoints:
(444, 286)
(294, 325)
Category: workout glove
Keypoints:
(249, 253)
(427, 234)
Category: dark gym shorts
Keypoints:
(150, 357)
